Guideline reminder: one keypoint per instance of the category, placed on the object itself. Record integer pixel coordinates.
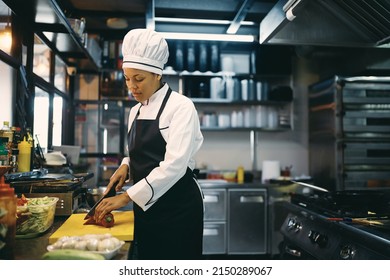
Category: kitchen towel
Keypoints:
(270, 170)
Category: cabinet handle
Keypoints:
(211, 198)
(210, 232)
(251, 199)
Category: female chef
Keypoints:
(163, 137)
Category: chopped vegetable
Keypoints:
(107, 221)
(35, 215)
(3, 230)
(21, 201)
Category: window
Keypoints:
(41, 63)
(57, 120)
(60, 74)
(41, 117)
(7, 104)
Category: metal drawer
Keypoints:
(215, 204)
(214, 238)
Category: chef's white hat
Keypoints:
(144, 49)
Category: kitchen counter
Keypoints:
(34, 248)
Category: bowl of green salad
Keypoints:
(34, 216)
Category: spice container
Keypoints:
(7, 217)
(6, 131)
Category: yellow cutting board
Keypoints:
(123, 228)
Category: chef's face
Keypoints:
(142, 84)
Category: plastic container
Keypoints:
(106, 245)
(78, 25)
(24, 158)
(7, 217)
(6, 131)
(36, 216)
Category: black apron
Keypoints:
(172, 228)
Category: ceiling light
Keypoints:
(240, 16)
(201, 21)
(6, 37)
(117, 23)
(208, 37)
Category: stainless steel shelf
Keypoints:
(245, 129)
(52, 27)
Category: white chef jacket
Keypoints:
(181, 132)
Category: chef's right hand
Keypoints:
(118, 177)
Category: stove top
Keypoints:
(347, 204)
(339, 225)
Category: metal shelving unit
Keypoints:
(53, 28)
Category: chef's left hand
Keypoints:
(109, 204)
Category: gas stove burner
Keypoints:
(350, 203)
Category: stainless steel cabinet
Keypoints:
(214, 233)
(247, 221)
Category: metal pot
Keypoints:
(94, 194)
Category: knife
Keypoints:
(111, 192)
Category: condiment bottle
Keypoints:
(14, 160)
(240, 175)
(3, 151)
(7, 219)
(24, 159)
(6, 131)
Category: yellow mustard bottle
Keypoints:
(240, 174)
(24, 159)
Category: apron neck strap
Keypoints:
(164, 102)
(161, 107)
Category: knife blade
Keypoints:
(111, 192)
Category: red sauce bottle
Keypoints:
(7, 218)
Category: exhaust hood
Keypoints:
(343, 23)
